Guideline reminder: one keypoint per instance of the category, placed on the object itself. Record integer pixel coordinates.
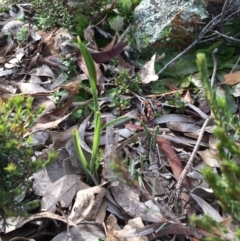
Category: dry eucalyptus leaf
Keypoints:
(41, 182)
(63, 190)
(31, 88)
(49, 125)
(183, 126)
(43, 70)
(210, 158)
(129, 201)
(59, 167)
(81, 131)
(207, 208)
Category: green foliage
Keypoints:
(125, 83)
(82, 23)
(16, 153)
(178, 103)
(71, 67)
(54, 13)
(226, 186)
(22, 34)
(3, 6)
(75, 18)
(128, 5)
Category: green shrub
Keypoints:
(226, 186)
(16, 152)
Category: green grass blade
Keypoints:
(80, 154)
(96, 140)
(88, 61)
(97, 115)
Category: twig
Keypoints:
(223, 15)
(235, 65)
(64, 215)
(228, 39)
(187, 167)
(178, 56)
(215, 66)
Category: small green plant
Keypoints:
(90, 166)
(22, 34)
(128, 5)
(165, 35)
(71, 67)
(226, 187)
(73, 17)
(178, 103)
(54, 13)
(3, 6)
(16, 152)
(125, 84)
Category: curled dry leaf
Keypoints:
(87, 204)
(44, 216)
(186, 96)
(82, 65)
(110, 45)
(43, 70)
(147, 72)
(12, 27)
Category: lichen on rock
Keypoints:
(180, 18)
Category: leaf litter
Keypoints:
(143, 156)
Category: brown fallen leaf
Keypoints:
(175, 163)
(231, 79)
(187, 97)
(52, 124)
(102, 57)
(55, 114)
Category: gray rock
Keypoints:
(153, 19)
